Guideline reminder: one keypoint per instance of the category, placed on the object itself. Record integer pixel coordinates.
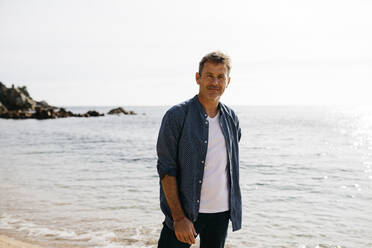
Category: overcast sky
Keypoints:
(89, 52)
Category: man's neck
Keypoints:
(210, 107)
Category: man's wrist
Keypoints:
(179, 218)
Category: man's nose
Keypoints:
(215, 81)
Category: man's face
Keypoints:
(213, 81)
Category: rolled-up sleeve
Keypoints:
(167, 146)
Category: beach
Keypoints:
(7, 242)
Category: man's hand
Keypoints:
(183, 227)
(185, 231)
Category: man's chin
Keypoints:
(210, 97)
(213, 97)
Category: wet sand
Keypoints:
(7, 242)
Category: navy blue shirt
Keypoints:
(182, 149)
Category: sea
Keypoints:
(305, 177)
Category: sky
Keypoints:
(116, 52)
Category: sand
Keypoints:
(7, 242)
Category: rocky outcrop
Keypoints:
(93, 113)
(18, 98)
(42, 114)
(120, 110)
(16, 103)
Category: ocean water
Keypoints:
(306, 178)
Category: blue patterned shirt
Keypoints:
(182, 149)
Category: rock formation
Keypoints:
(120, 110)
(16, 103)
(19, 99)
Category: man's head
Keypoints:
(213, 76)
(216, 57)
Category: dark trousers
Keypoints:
(212, 228)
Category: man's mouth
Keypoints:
(212, 88)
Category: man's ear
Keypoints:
(228, 81)
(197, 77)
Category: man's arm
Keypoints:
(169, 184)
(183, 227)
(167, 147)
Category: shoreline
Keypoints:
(10, 242)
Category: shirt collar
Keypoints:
(201, 108)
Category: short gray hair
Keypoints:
(216, 57)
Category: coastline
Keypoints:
(8, 242)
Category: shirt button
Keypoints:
(205, 141)
(200, 181)
(206, 122)
(202, 161)
(197, 201)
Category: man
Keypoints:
(198, 163)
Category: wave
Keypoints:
(103, 239)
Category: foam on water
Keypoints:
(99, 239)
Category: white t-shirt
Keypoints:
(215, 186)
